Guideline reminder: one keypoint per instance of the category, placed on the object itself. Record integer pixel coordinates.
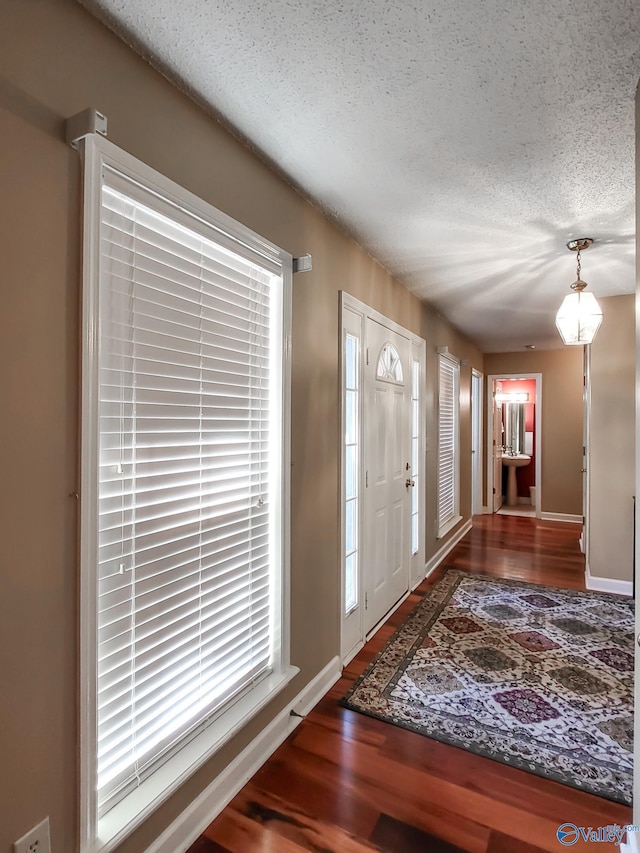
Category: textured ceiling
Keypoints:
(462, 143)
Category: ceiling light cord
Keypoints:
(578, 284)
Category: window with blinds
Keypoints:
(186, 394)
(448, 456)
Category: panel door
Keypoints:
(387, 433)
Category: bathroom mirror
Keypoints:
(513, 419)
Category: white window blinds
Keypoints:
(448, 406)
(189, 414)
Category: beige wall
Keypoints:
(612, 441)
(56, 60)
(562, 411)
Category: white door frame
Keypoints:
(494, 377)
(477, 503)
(586, 455)
(352, 630)
(418, 559)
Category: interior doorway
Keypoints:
(382, 478)
(514, 444)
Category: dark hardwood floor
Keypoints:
(346, 783)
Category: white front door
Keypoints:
(387, 455)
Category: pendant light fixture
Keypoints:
(579, 317)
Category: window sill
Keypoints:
(448, 527)
(135, 808)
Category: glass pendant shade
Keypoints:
(578, 318)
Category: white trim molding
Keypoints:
(432, 564)
(561, 516)
(612, 585)
(448, 527)
(310, 695)
(182, 833)
(349, 656)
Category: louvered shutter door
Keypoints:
(186, 390)
(447, 439)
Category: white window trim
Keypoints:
(355, 333)
(351, 323)
(450, 523)
(107, 833)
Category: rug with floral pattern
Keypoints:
(536, 677)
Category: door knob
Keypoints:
(409, 483)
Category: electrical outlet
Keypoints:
(37, 840)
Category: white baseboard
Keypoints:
(561, 516)
(310, 695)
(616, 587)
(439, 556)
(182, 833)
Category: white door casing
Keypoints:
(418, 460)
(494, 477)
(476, 443)
(586, 418)
(498, 447)
(387, 454)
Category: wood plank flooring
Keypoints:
(346, 783)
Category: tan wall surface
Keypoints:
(562, 409)
(612, 441)
(56, 60)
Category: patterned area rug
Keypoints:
(533, 676)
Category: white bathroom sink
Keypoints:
(517, 461)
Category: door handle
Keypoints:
(409, 483)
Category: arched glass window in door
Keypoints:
(389, 366)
